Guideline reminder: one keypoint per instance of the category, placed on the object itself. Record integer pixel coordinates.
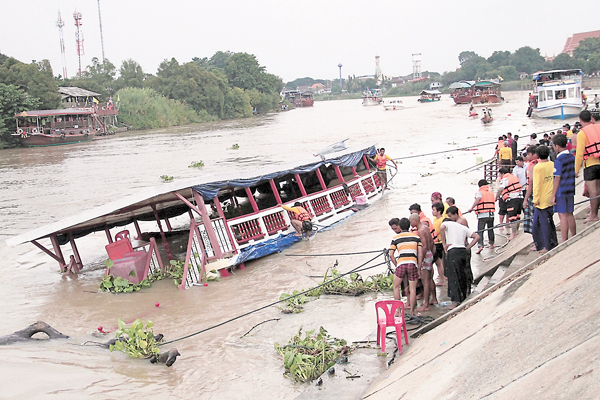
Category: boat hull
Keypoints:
(41, 140)
(371, 102)
(393, 106)
(462, 99)
(427, 100)
(558, 111)
(488, 99)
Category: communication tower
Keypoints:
(78, 38)
(60, 23)
(101, 37)
(416, 58)
(378, 73)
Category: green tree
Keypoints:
(243, 71)
(508, 73)
(35, 79)
(499, 58)
(528, 60)
(130, 75)
(565, 61)
(465, 55)
(12, 101)
(587, 48)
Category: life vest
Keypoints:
(423, 218)
(592, 133)
(487, 203)
(303, 214)
(381, 161)
(500, 144)
(514, 186)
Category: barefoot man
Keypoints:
(588, 156)
(300, 220)
(381, 160)
(408, 247)
(427, 264)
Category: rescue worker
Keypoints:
(485, 207)
(380, 161)
(510, 190)
(588, 156)
(301, 220)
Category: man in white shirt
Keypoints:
(519, 172)
(458, 270)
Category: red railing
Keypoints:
(355, 191)
(275, 222)
(321, 205)
(339, 198)
(247, 230)
(306, 207)
(377, 180)
(368, 185)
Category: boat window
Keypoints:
(235, 203)
(578, 92)
(560, 94)
(288, 188)
(549, 94)
(311, 182)
(571, 93)
(264, 196)
(542, 95)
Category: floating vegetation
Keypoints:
(195, 164)
(307, 358)
(136, 340)
(352, 285)
(113, 284)
(235, 147)
(166, 178)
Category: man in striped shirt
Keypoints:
(406, 255)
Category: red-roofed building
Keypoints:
(574, 40)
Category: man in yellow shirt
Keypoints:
(505, 155)
(544, 230)
(587, 156)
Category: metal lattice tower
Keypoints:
(101, 36)
(416, 58)
(78, 38)
(378, 73)
(60, 23)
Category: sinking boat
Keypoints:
(231, 219)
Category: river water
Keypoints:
(42, 185)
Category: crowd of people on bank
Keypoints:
(531, 187)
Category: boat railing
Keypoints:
(320, 206)
(196, 256)
(153, 260)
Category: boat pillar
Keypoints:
(300, 184)
(137, 229)
(162, 233)
(217, 204)
(57, 255)
(275, 190)
(208, 225)
(367, 166)
(108, 235)
(75, 251)
(251, 200)
(321, 181)
(338, 172)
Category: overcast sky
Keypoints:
(292, 39)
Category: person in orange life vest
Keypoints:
(510, 190)
(451, 202)
(301, 219)
(437, 209)
(587, 155)
(380, 161)
(485, 207)
(499, 145)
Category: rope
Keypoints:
(270, 304)
(333, 254)
(444, 151)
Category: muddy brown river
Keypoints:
(42, 185)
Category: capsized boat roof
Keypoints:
(138, 206)
(575, 71)
(48, 113)
(435, 91)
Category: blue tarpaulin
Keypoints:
(265, 248)
(210, 190)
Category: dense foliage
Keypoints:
(136, 340)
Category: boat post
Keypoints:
(108, 235)
(251, 199)
(58, 256)
(162, 233)
(207, 225)
(338, 172)
(321, 181)
(275, 191)
(79, 264)
(137, 229)
(367, 166)
(300, 185)
(217, 204)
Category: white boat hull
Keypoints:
(393, 106)
(371, 102)
(557, 111)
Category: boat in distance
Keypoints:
(428, 96)
(38, 128)
(393, 105)
(372, 97)
(486, 92)
(461, 92)
(231, 219)
(556, 94)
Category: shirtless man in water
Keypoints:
(427, 264)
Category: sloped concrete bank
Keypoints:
(534, 335)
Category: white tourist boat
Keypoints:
(394, 105)
(557, 94)
(372, 97)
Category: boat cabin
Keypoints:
(430, 95)
(486, 92)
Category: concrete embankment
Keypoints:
(534, 334)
